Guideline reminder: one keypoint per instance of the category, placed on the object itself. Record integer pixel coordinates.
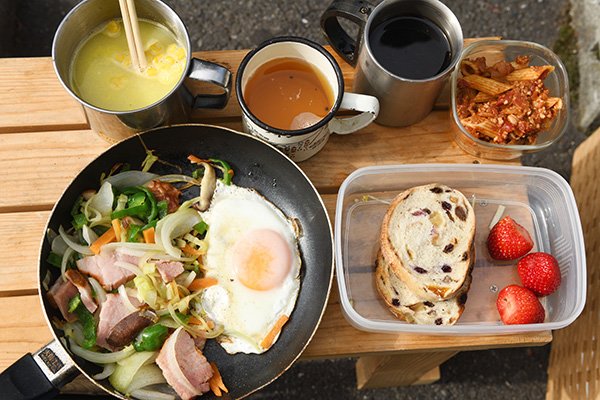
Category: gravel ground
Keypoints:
(238, 24)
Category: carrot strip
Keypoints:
(202, 283)
(195, 159)
(194, 321)
(116, 224)
(149, 235)
(216, 382)
(107, 237)
(268, 340)
(187, 249)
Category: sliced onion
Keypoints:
(188, 280)
(147, 375)
(88, 234)
(173, 178)
(63, 263)
(144, 394)
(74, 330)
(173, 226)
(81, 249)
(125, 298)
(100, 358)
(126, 179)
(129, 267)
(98, 289)
(50, 235)
(58, 245)
(46, 280)
(106, 372)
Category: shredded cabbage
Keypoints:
(146, 291)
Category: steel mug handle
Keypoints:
(354, 11)
(38, 376)
(206, 71)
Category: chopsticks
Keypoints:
(132, 31)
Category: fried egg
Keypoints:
(253, 254)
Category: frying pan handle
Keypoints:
(38, 376)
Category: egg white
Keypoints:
(247, 315)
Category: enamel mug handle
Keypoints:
(368, 106)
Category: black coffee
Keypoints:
(410, 47)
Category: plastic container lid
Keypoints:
(537, 198)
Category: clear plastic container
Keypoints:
(537, 198)
(556, 82)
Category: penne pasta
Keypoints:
(529, 73)
(485, 127)
(487, 85)
(507, 102)
(482, 97)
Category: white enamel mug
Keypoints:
(302, 144)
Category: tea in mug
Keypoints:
(288, 93)
(103, 76)
(410, 47)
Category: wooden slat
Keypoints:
(46, 163)
(32, 98)
(20, 236)
(23, 329)
(45, 167)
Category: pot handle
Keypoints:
(206, 71)
(38, 376)
(355, 11)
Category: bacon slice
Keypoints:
(184, 367)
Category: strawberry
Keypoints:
(539, 273)
(519, 305)
(508, 240)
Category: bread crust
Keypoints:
(406, 306)
(422, 285)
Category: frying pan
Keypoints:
(257, 165)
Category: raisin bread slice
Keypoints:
(405, 305)
(426, 237)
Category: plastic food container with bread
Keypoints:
(538, 199)
(510, 51)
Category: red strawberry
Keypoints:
(508, 240)
(539, 273)
(519, 305)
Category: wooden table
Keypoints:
(45, 140)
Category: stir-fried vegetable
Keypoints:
(136, 223)
(87, 320)
(151, 338)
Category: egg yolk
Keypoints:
(262, 259)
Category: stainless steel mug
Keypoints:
(403, 101)
(174, 107)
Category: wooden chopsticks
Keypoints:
(132, 31)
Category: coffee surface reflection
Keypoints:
(410, 47)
